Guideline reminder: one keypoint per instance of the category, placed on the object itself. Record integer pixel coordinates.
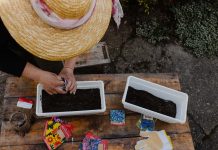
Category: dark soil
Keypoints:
(151, 102)
(84, 99)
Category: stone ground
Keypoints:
(198, 77)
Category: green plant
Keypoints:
(145, 4)
(153, 30)
(124, 3)
(197, 27)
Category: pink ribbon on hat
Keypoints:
(117, 12)
(51, 18)
(48, 16)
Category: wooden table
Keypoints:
(120, 138)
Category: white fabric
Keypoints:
(55, 21)
(117, 12)
(165, 140)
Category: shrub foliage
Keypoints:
(153, 30)
(197, 27)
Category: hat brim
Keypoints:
(48, 42)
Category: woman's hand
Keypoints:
(67, 74)
(52, 83)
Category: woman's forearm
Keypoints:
(50, 81)
(32, 72)
(70, 63)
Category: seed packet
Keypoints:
(24, 103)
(146, 123)
(56, 132)
(155, 140)
(92, 142)
(117, 117)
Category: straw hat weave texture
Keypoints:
(51, 43)
(69, 8)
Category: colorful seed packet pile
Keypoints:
(117, 117)
(146, 123)
(56, 132)
(154, 140)
(92, 142)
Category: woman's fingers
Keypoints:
(54, 92)
(49, 91)
(73, 88)
(60, 90)
(68, 86)
(59, 78)
(58, 83)
(52, 83)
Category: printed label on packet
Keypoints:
(147, 117)
(24, 103)
(117, 117)
(56, 132)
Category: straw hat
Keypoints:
(70, 28)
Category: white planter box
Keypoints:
(80, 85)
(179, 98)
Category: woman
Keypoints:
(24, 65)
(52, 31)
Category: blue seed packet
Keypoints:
(92, 142)
(146, 124)
(117, 117)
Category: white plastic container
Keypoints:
(80, 85)
(179, 98)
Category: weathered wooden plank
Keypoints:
(114, 83)
(98, 124)
(96, 56)
(180, 142)
(83, 123)
(113, 101)
(19, 87)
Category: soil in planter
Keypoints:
(84, 99)
(151, 102)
